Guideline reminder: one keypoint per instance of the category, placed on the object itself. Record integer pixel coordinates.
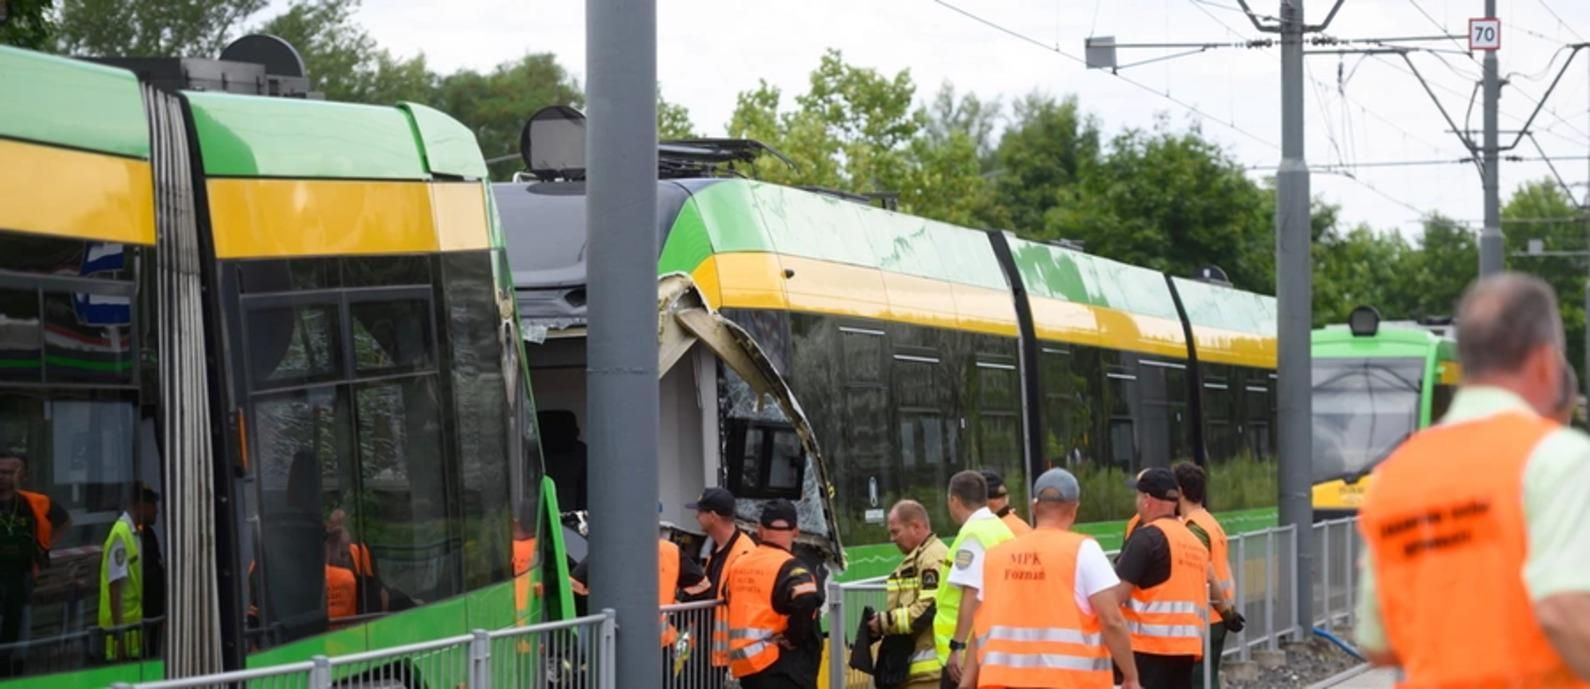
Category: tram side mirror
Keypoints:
(552, 143)
(1364, 321)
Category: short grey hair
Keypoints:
(912, 512)
(1504, 317)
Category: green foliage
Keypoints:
(1566, 228)
(673, 121)
(1040, 160)
(26, 23)
(150, 28)
(496, 104)
(343, 60)
(1105, 496)
(1242, 482)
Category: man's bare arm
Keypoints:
(1565, 617)
(1112, 623)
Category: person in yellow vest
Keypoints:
(907, 614)
(999, 504)
(1029, 632)
(961, 573)
(1224, 617)
(773, 602)
(1477, 572)
(1164, 569)
(121, 576)
(28, 524)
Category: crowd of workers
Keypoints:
(1017, 603)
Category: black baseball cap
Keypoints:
(715, 500)
(996, 484)
(1158, 482)
(779, 514)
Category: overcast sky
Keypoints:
(709, 50)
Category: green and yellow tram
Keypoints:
(293, 321)
(1374, 384)
(913, 348)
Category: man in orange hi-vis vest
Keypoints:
(773, 602)
(1027, 631)
(1224, 616)
(1165, 571)
(1477, 572)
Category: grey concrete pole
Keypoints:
(1294, 294)
(621, 363)
(1491, 235)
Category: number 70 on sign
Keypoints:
(1485, 34)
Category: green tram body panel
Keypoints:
(73, 105)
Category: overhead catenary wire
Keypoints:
(1162, 94)
(1558, 17)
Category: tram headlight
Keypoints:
(1364, 321)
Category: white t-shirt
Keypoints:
(1094, 574)
(967, 570)
(116, 564)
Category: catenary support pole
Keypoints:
(621, 368)
(1491, 234)
(1293, 288)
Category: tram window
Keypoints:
(88, 338)
(1440, 400)
(385, 271)
(288, 274)
(21, 339)
(481, 416)
(766, 461)
(80, 452)
(863, 354)
(303, 444)
(405, 485)
(1123, 444)
(293, 345)
(391, 336)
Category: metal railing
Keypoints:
(1263, 563)
(570, 654)
(580, 653)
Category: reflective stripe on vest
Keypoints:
(1170, 618)
(753, 623)
(1219, 554)
(1030, 630)
(947, 602)
(1444, 520)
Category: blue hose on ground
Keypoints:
(1320, 632)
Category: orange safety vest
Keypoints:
(1018, 526)
(720, 619)
(361, 560)
(524, 552)
(1030, 631)
(1169, 619)
(1444, 520)
(667, 585)
(342, 592)
(1219, 553)
(754, 627)
(43, 530)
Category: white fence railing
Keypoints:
(580, 653)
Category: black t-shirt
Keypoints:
(1144, 561)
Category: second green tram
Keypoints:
(1374, 384)
(276, 338)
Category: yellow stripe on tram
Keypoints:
(274, 218)
(76, 194)
(460, 212)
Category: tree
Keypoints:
(151, 28)
(1542, 210)
(496, 104)
(343, 61)
(673, 120)
(1043, 153)
(26, 23)
(1169, 201)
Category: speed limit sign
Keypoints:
(1485, 34)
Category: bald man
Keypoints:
(1489, 507)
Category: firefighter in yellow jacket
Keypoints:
(908, 609)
